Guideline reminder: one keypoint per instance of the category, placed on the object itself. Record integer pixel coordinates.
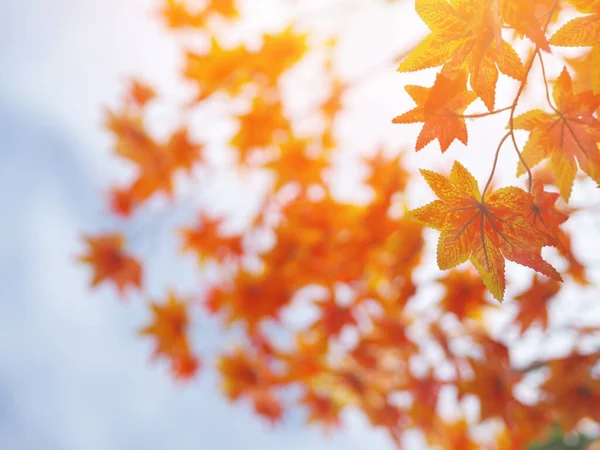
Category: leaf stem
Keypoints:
(489, 181)
(485, 114)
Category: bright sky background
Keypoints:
(72, 374)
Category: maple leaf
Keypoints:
(243, 374)
(333, 316)
(169, 328)
(465, 294)
(278, 53)
(154, 163)
(440, 107)
(453, 436)
(572, 391)
(486, 231)
(548, 219)
(140, 93)
(122, 201)
(183, 152)
(523, 17)
(587, 71)
(295, 164)
(225, 8)
(267, 406)
(251, 298)
(466, 35)
(387, 175)
(177, 14)
(207, 240)
(425, 392)
(567, 136)
(533, 303)
(492, 382)
(265, 124)
(220, 69)
(322, 408)
(581, 31)
(110, 262)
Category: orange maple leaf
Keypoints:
(533, 303)
(453, 436)
(110, 262)
(183, 152)
(219, 69)
(152, 160)
(568, 136)
(581, 31)
(169, 328)
(572, 391)
(208, 241)
(296, 164)
(440, 107)
(486, 230)
(587, 71)
(267, 406)
(140, 93)
(523, 17)
(322, 408)
(493, 383)
(466, 35)
(264, 125)
(465, 294)
(244, 374)
(548, 219)
(251, 298)
(334, 317)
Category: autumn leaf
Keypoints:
(267, 406)
(140, 93)
(110, 261)
(322, 408)
(251, 298)
(440, 107)
(387, 175)
(581, 31)
(296, 164)
(587, 71)
(243, 374)
(219, 69)
(453, 436)
(465, 294)
(334, 317)
(568, 136)
(467, 36)
(264, 125)
(534, 302)
(572, 390)
(153, 162)
(523, 17)
(183, 152)
(493, 383)
(548, 219)
(486, 231)
(169, 329)
(207, 240)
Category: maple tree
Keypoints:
(357, 265)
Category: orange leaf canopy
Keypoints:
(484, 230)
